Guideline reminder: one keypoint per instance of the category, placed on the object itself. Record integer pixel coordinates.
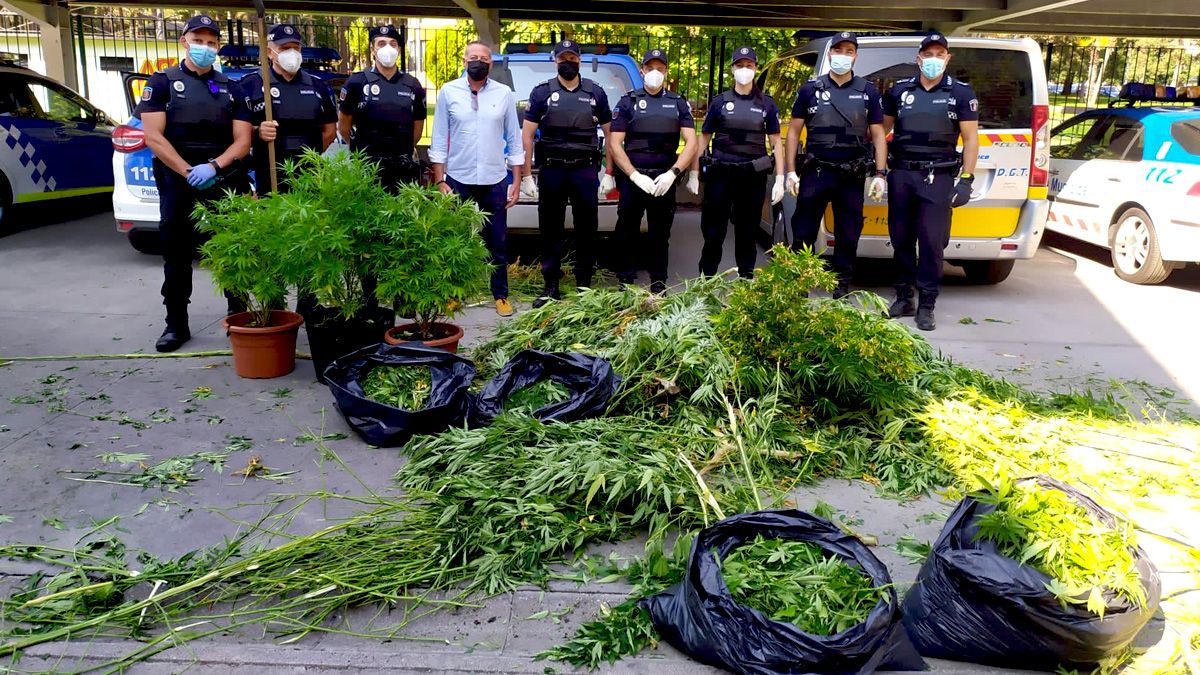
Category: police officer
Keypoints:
(845, 142)
(928, 176)
(646, 127)
(567, 109)
(738, 124)
(305, 115)
(382, 111)
(198, 132)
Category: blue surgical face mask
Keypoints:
(202, 55)
(933, 67)
(840, 64)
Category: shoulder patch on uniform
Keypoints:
(342, 94)
(178, 85)
(147, 93)
(974, 105)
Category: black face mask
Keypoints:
(478, 70)
(568, 70)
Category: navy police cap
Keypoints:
(202, 22)
(844, 36)
(655, 55)
(566, 47)
(744, 53)
(935, 39)
(283, 33)
(383, 31)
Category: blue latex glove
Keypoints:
(201, 175)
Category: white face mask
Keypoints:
(743, 76)
(289, 60)
(840, 64)
(654, 79)
(387, 56)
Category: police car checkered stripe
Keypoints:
(15, 151)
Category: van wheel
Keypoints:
(987, 272)
(1134, 246)
(145, 242)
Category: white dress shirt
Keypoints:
(474, 139)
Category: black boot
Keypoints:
(842, 290)
(903, 304)
(176, 332)
(925, 313)
(627, 279)
(658, 287)
(583, 280)
(550, 292)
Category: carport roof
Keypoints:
(1162, 18)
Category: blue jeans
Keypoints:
(493, 200)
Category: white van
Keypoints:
(1006, 217)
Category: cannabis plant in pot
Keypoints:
(245, 256)
(336, 209)
(432, 259)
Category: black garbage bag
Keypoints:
(699, 616)
(590, 378)
(971, 603)
(385, 426)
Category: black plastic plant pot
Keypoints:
(331, 336)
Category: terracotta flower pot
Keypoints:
(448, 336)
(266, 352)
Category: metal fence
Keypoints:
(1087, 77)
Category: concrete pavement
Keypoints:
(76, 287)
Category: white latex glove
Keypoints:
(646, 183)
(693, 182)
(878, 188)
(777, 190)
(663, 183)
(529, 189)
(607, 184)
(793, 183)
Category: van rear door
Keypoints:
(1004, 83)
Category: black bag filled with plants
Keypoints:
(564, 387)
(388, 393)
(1031, 573)
(784, 592)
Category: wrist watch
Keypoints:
(675, 170)
(966, 176)
(215, 166)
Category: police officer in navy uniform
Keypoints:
(382, 111)
(305, 115)
(739, 123)
(567, 109)
(198, 132)
(646, 127)
(927, 114)
(845, 143)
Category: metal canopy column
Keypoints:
(54, 20)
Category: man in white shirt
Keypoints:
(475, 129)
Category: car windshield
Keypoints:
(1001, 78)
(528, 74)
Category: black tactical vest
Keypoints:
(297, 108)
(743, 130)
(199, 115)
(841, 121)
(383, 122)
(926, 131)
(653, 130)
(569, 128)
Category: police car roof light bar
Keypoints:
(1140, 92)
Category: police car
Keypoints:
(1128, 179)
(524, 66)
(1006, 216)
(135, 196)
(53, 143)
